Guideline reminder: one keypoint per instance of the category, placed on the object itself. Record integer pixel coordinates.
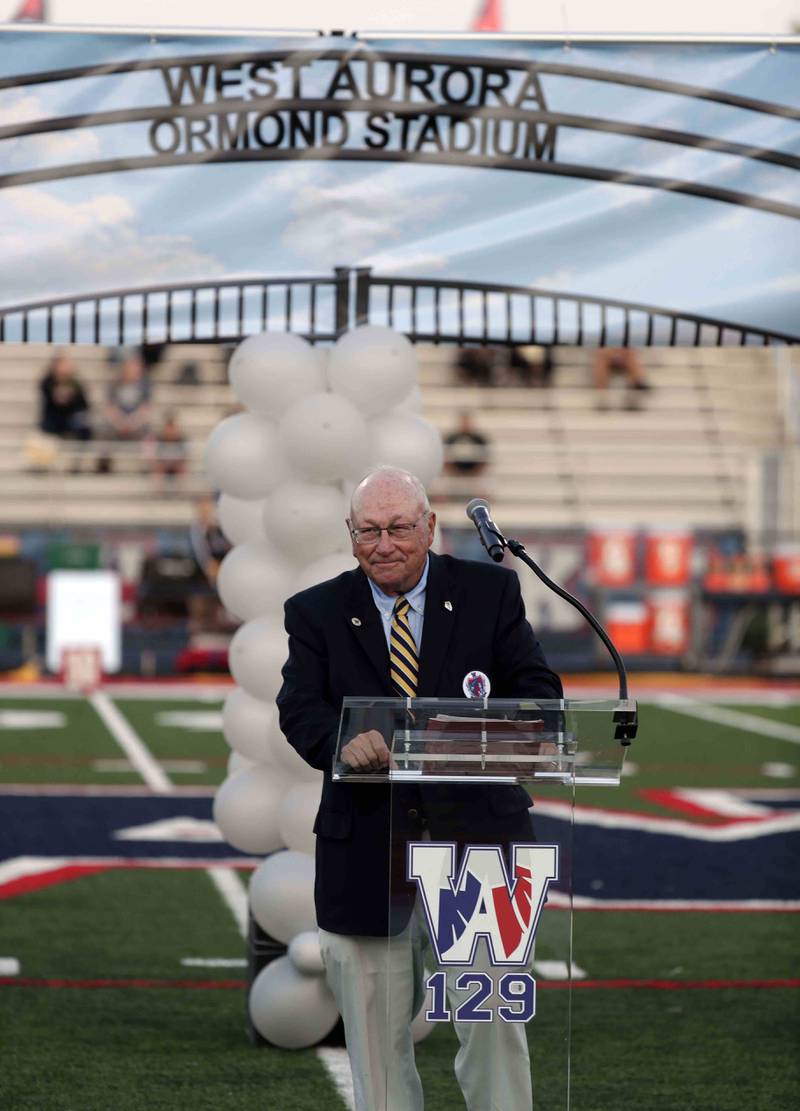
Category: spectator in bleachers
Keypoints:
(208, 542)
(128, 403)
(65, 409)
(188, 374)
(618, 360)
(209, 547)
(504, 366)
(152, 354)
(475, 366)
(169, 450)
(531, 366)
(466, 449)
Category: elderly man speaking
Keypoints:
(405, 622)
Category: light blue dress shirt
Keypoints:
(416, 600)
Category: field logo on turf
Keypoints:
(481, 900)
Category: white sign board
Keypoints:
(83, 611)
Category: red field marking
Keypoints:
(41, 878)
(37, 881)
(672, 985)
(236, 985)
(670, 799)
(203, 985)
(45, 760)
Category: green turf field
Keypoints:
(680, 1010)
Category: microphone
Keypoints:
(491, 536)
(625, 718)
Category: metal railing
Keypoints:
(461, 312)
(320, 308)
(221, 311)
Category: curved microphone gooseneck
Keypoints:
(495, 543)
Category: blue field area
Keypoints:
(607, 864)
(101, 825)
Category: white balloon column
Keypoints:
(284, 468)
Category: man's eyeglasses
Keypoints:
(372, 534)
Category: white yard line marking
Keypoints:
(131, 743)
(337, 1066)
(214, 962)
(181, 767)
(777, 769)
(234, 896)
(736, 719)
(199, 721)
(557, 970)
(32, 719)
(9, 966)
(183, 827)
(224, 879)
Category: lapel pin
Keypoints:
(449, 607)
(355, 621)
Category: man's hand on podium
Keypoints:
(368, 752)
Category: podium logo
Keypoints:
(481, 901)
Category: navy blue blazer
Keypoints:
(330, 656)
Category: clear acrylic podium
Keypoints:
(478, 951)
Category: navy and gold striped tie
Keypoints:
(403, 663)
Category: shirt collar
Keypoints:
(414, 597)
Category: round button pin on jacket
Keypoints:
(476, 685)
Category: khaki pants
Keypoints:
(379, 986)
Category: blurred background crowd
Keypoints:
(662, 485)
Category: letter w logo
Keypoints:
(481, 901)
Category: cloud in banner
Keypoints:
(403, 260)
(50, 244)
(331, 222)
(33, 151)
(556, 279)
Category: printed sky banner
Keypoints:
(652, 173)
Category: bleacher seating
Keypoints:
(687, 456)
(683, 457)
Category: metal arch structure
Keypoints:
(322, 307)
(465, 109)
(180, 131)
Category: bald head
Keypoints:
(389, 483)
(386, 498)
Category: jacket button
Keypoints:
(413, 814)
